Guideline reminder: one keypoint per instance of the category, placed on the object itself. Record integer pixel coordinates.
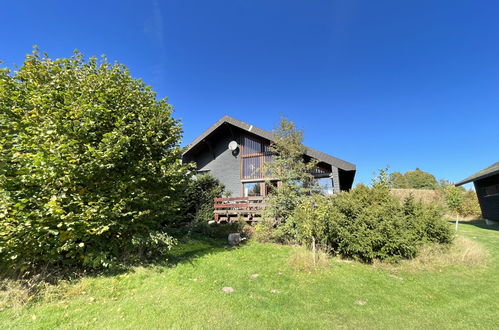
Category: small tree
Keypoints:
(454, 199)
(461, 202)
(291, 168)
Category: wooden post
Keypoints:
(313, 250)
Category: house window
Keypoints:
(252, 189)
(325, 186)
(251, 146)
(252, 167)
(255, 153)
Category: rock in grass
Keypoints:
(254, 275)
(360, 302)
(234, 239)
(227, 289)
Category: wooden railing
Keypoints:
(234, 208)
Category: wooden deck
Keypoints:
(234, 208)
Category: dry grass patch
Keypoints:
(45, 285)
(463, 252)
(422, 195)
(17, 292)
(302, 260)
(12, 294)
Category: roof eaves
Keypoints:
(485, 173)
(271, 137)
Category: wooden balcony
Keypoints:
(234, 208)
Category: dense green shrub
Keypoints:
(90, 163)
(367, 224)
(198, 200)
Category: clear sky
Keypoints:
(401, 83)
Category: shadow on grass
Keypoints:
(187, 249)
(33, 283)
(478, 223)
(195, 247)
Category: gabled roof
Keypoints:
(320, 156)
(485, 173)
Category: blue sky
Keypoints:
(401, 83)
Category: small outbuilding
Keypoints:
(486, 184)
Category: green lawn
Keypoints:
(188, 293)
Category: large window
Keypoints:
(252, 167)
(325, 185)
(251, 146)
(252, 189)
(255, 153)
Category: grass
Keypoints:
(274, 287)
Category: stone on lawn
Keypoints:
(227, 289)
(234, 239)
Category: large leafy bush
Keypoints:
(367, 224)
(90, 163)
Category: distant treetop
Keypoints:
(416, 179)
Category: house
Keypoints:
(234, 152)
(486, 184)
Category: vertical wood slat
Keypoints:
(254, 152)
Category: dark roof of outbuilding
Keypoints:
(320, 156)
(489, 171)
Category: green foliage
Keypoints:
(461, 202)
(398, 180)
(263, 231)
(368, 224)
(198, 200)
(291, 168)
(416, 179)
(470, 206)
(454, 198)
(90, 163)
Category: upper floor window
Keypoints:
(255, 153)
(251, 146)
